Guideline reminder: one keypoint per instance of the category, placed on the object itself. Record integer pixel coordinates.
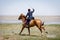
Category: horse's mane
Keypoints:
(23, 16)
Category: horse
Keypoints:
(34, 22)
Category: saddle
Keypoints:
(28, 21)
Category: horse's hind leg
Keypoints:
(40, 30)
(29, 30)
(44, 30)
(39, 27)
(21, 30)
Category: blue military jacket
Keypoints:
(30, 14)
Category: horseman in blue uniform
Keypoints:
(29, 16)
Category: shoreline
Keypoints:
(19, 21)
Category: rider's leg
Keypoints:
(27, 23)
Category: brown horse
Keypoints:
(35, 22)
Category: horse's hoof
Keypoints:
(46, 32)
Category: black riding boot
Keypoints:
(27, 23)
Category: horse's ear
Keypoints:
(21, 14)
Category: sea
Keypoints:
(45, 19)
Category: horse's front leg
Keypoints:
(21, 30)
(29, 30)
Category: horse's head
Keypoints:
(21, 16)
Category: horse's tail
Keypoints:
(42, 23)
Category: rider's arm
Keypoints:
(33, 10)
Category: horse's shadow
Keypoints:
(30, 35)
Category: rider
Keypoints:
(29, 16)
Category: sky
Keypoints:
(42, 7)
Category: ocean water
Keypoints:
(45, 19)
(10, 21)
(19, 21)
